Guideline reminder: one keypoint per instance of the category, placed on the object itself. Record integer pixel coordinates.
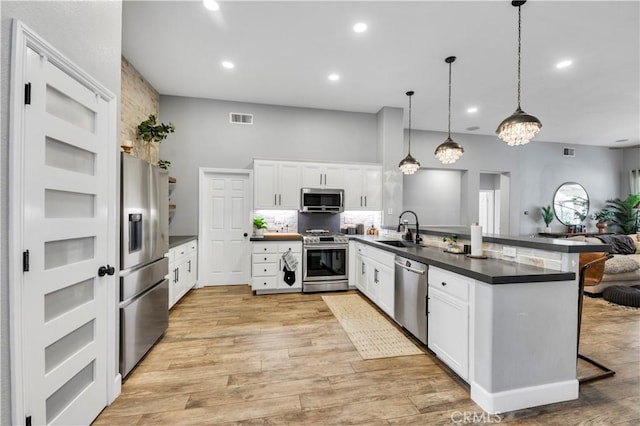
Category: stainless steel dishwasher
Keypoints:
(411, 296)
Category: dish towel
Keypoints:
(290, 266)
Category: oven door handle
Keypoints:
(321, 246)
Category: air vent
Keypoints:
(568, 152)
(240, 118)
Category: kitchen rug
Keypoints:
(371, 333)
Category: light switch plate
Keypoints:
(508, 251)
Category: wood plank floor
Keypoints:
(229, 357)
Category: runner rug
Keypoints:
(371, 333)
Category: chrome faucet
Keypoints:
(408, 233)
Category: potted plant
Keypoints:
(164, 164)
(259, 226)
(602, 218)
(451, 242)
(547, 216)
(624, 213)
(151, 132)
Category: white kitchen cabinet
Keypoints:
(448, 324)
(359, 269)
(322, 175)
(276, 185)
(362, 187)
(183, 270)
(375, 276)
(267, 275)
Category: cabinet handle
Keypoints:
(426, 305)
(365, 201)
(320, 178)
(279, 199)
(265, 249)
(443, 283)
(189, 266)
(325, 178)
(362, 268)
(178, 274)
(375, 276)
(361, 201)
(275, 199)
(265, 259)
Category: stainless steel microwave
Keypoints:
(316, 200)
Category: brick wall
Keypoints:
(138, 100)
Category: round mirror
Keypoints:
(571, 203)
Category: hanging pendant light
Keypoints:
(449, 151)
(409, 165)
(520, 127)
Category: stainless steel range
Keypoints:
(325, 261)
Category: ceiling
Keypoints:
(284, 51)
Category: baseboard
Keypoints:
(116, 388)
(534, 396)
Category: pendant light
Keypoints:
(449, 151)
(409, 165)
(520, 127)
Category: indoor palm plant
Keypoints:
(547, 216)
(624, 213)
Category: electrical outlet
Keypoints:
(508, 251)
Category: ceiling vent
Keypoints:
(568, 152)
(240, 118)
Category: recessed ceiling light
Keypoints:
(334, 77)
(227, 64)
(360, 27)
(564, 64)
(471, 110)
(211, 5)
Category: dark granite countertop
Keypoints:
(491, 271)
(176, 240)
(562, 245)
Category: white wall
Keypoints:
(434, 195)
(536, 169)
(88, 33)
(630, 161)
(205, 138)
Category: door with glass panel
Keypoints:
(65, 223)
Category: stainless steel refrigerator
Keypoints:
(144, 240)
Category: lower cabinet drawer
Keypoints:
(265, 258)
(450, 283)
(263, 269)
(262, 283)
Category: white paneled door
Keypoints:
(225, 227)
(65, 226)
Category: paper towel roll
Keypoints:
(476, 240)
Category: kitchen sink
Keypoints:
(397, 243)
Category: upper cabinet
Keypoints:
(320, 175)
(276, 185)
(362, 187)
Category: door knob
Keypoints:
(106, 270)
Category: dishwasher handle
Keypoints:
(408, 268)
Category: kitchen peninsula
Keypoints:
(515, 320)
